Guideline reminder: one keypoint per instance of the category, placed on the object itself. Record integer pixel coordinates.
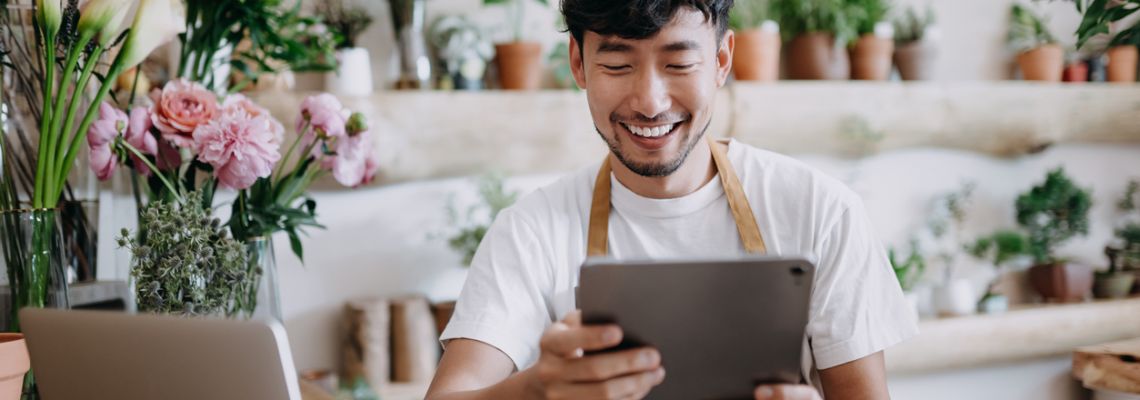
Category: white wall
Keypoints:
(973, 32)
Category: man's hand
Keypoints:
(786, 392)
(563, 372)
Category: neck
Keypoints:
(697, 170)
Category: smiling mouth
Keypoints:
(651, 132)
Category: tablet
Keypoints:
(722, 326)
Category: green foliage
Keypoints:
(750, 14)
(798, 17)
(1098, 16)
(1027, 30)
(867, 13)
(908, 271)
(347, 22)
(1052, 213)
(559, 60)
(189, 265)
(911, 27)
(1000, 247)
(494, 198)
(516, 13)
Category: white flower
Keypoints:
(103, 18)
(156, 22)
(50, 15)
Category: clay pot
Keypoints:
(871, 58)
(1062, 282)
(14, 363)
(1113, 286)
(1042, 64)
(815, 56)
(757, 55)
(916, 60)
(1122, 64)
(1077, 72)
(520, 65)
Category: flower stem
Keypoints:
(45, 120)
(157, 173)
(289, 153)
(88, 119)
(55, 136)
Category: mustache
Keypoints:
(657, 119)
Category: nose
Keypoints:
(650, 94)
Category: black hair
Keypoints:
(637, 19)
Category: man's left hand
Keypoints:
(786, 392)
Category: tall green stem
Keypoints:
(42, 177)
(55, 136)
(81, 134)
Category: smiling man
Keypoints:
(651, 69)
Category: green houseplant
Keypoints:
(818, 32)
(1051, 214)
(1000, 249)
(915, 47)
(472, 224)
(1101, 17)
(909, 271)
(1039, 56)
(757, 54)
(871, 52)
(1123, 255)
(520, 62)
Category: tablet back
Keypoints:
(722, 327)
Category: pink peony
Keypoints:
(240, 102)
(354, 162)
(101, 135)
(325, 115)
(239, 147)
(180, 108)
(138, 136)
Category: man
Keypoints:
(650, 70)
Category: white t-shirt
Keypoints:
(523, 276)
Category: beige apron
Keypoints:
(597, 241)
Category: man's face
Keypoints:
(651, 99)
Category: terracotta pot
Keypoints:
(14, 363)
(1077, 72)
(757, 56)
(1122, 64)
(1042, 64)
(916, 60)
(520, 65)
(871, 58)
(1062, 282)
(1113, 286)
(815, 56)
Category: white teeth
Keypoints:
(650, 132)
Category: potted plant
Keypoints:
(1050, 214)
(1102, 17)
(353, 75)
(1126, 251)
(818, 32)
(871, 52)
(916, 48)
(474, 222)
(1000, 248)
(909, 272)
(520, 62)
(757, 54)
(955, 295)
(1039, 56)
(463, 50)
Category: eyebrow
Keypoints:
(610, 46)
(683, 45)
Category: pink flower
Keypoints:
(240, 102)
(355, 161)
(138, 136)
(239, 147)
(180, 108)
(101, 135)
(325, 115)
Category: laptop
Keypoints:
(100, 355)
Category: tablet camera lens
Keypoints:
(797, 271)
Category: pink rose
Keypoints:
(239, 147)
(101, 135)
(325, 115)
(240, 102)
(180, 108)
(138, 136)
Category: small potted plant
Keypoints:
(1050, 214)
(353, 75)
(955, 295)
(1103, 17)
(463, 50)
(519, 61)
(474, 222)
(757, 54)
(1125, 252)
(818, 32)
(1039, 56)
(1000, 248)
(909, 272)
(871, 52)
(916, 48)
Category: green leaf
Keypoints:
(295, 244)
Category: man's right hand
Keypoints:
(563, 372)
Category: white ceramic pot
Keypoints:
(353, 76)
(955, 298)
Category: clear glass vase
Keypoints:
(32, 250)
(265, 301)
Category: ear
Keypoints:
(724, 57)
(576, 63)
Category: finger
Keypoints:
(566, 341)
(600, 367)
(786, 392)
(574, 318)
(618, 388)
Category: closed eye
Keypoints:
(615, 68)
(680, 67)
